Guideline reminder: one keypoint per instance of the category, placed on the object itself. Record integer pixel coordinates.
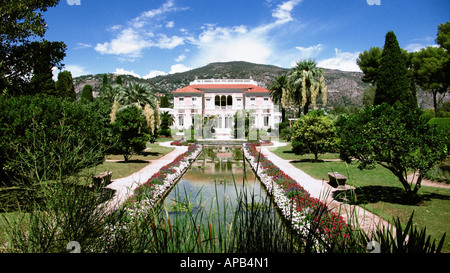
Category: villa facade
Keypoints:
(216, 101)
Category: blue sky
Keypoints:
(156, 37)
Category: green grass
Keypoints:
(121, 168)
(285, 152)
(379, 191)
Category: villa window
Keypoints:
(266, 121)
(217, 101)
(229, 101)
(219, 122)
(223, 101)
(181, 120)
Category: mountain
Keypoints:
(344, 88)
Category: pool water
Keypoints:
(216, 182)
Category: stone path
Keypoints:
(124, 187)
(323, 191)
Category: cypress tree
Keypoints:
(64, 86)
(393, 84)
(86, 93)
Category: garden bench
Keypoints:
(337, 178)
(102, 178)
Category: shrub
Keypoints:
(46, 137)
(313, 133)
(393, 137)
(131, 130)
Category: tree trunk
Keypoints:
(418, 183)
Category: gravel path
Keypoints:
(323, 191)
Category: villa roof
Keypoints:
(187, 89)
(197, 88)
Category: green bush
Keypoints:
(427, 114)
(314, 133)
(46, 137)
(443, 124)
(131, 132)
(393, 137)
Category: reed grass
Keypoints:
(67, 211)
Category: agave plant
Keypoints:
(397, 239)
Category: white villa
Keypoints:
(217, 100)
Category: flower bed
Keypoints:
(264, 143)
(179, 143)
(305, 213)
(158, 184)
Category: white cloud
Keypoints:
(240, 43)
(165, 42)
(418, 46)
(82, 46)
(283, 11)
(344, 61)
(154, 73)
(75, 70)
(231, 44)
(178, 68)
(142, 20)
(180, 58)
(137, 36)
(121, 71)
(309, 52)
(170, 24)
(129, 43)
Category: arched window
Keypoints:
(223, 101)
(217, 100)
(229, 100)
(228, 121)
(219, 122)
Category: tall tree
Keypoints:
(443, 39)
(119, 80)
(305, 82)
(20, 23)
(429, 70)
(369, 62)
(138, 94)
(395, 138)
(44, 56)
(130, 127)
(443, 36)
(276, 92)
(111, 92)
(86, 93)
(393, 84)
(64, 86)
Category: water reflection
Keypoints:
(215, 181)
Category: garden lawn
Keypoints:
(380, 192)
(120, 168)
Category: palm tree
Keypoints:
(138, 94)
(305, 81)
(167, 120)
(276, 91)
(111, 92)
